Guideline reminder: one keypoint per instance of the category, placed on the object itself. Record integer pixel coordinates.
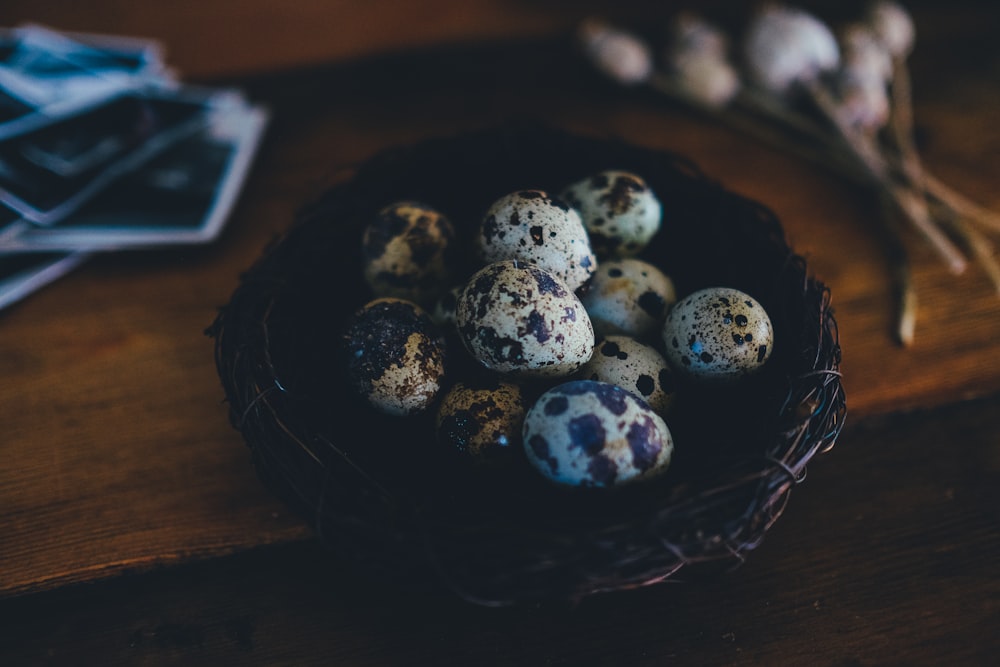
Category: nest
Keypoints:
(382, 495)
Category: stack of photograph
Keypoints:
(103, 148)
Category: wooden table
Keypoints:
(133, 530)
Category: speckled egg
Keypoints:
(587, 433)
(481, 424)
(395, 356)
(628, 296)
(404, 252)
(619, 210)
(631, 365)
(717, 334)
(535, 227)
(518, 318)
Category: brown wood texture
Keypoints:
(232, 38)
(885, 556)
(117, 453)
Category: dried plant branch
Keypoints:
(861, 128)
(959, 203)
(908, 200)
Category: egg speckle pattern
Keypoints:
(481, 423)
(587, 433)
(619, 210)
(395, 357)
(628, 296)
(635, 367)
(533, 226)
(518, 318)
(717, 334)
(405, 252)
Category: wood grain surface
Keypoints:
(885, 556)
(225, 39)
(118, 457)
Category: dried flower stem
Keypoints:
(769, 105)
(901, 122)
(894, 169)
(832, 156)
(960, 204)
(911, 203)
(828, 155)
(874, 164)
(902, 119)
(741, 122)
(904, 295)
(979, 246)
(901, 126)
(933, 187)
(957, 205)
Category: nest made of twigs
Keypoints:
(378, 490)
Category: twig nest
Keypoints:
(406, 499)
(519, 319)
(785, 46)
(587, 433)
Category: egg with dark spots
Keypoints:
(633, 366)
(532, 226)
(619, 210)
(717, 335)
(595, 434)
(629, 297)
(481, 424)
(395, 356)
(520, 319)
(405, 252)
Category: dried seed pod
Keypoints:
(785, 46)
(616, 53)
(894, 27)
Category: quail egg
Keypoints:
(628, 296)
(717, 334)
(518, 318)
(395, 356)
(404, 252)
(481, 423)
(634, 366)
(621, 213)
(587, 433)
(532, 226)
